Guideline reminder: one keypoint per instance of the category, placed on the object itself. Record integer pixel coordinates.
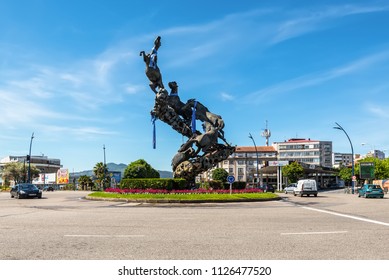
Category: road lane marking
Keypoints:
(347, 216)
(103, 235)
(313, 232)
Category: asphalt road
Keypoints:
(62, 225)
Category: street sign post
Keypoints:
(230, 179)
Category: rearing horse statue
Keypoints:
(202, 150)
(152, 70)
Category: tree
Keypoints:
(381, 167)
(85, 182)
(220, 174)
(140, 169)
(293, 171)
(345, 174)
(17, 172)
(101, 172)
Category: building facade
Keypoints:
(376, 154)
(245, 162)
(43, 163)
(341, 159)
(312, 152)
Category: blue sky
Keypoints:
(70, 72)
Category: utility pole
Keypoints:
(29, 160)
(256, 151)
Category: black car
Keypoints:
(267, 188)
(48, 188)
(25, 190)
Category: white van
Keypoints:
(305, 187)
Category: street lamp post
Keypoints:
(352, 156)
(29, 160)
(256, 151)
(104, 168)
(104, 153)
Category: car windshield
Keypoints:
(373, 187)
(28, 187)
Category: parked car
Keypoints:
(267, 188)
(25, 190)
(305, 187)
(290, 188)
(370, 190)
(48, 188)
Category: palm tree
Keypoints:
(100, 170)
(85, 182)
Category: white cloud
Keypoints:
(226, 97)
(379, 111)
(306, 21)
(359, 65)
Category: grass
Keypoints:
(187, 197)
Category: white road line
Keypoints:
(348, 216)
(314, 232)
(102, 235)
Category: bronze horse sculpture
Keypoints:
(152, 70)
(189, 161)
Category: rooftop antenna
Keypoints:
(266, 133)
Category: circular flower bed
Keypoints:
(194, 191)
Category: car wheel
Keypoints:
(315, 194)
(294, 194)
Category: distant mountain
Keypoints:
(120, 168)
(165, 174)
(116, 167)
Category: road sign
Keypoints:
(230, 179)
(366, 170)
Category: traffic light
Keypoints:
(28, 157)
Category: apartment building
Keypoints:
(376, 154)
(312, 152)
(341, 159)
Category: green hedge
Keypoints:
(154, 183)
(218, 185)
